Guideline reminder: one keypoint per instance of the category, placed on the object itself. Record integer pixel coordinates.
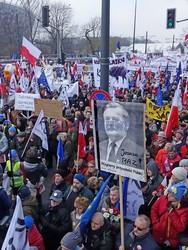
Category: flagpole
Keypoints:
(26, 144)
(77, 158)
(121, 214)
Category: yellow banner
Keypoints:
(159, 113)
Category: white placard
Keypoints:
(25, 101)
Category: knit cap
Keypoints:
(180, 173)
(178, 190)
(180, 131)
(61, 172)
(80, 178)
(71, 240)
(12, 129)
(24, 192)
(183, 162)
(29, 221)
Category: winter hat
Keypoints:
(12, 129)
(24, 192)
(6, 122)
(183, 162)
(178, 190)
(80, 178)
(61, 172)
(162, 134)
(13, 153)
(57, 195)
(180, 173)
(82, 201)
(180, 131)
(21, 134)
(29, 221)
(71, 240)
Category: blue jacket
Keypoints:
(131, 242)
(5, 203)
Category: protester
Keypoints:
(14, 171)
(98, 234)
(137, 235)
(71, 241)
(154, 179)
(5, 201)
(169, 217)
(59, 182)
(3, 149)
(21, 144)
(56, 221)
(78, 188)
(110, 201)
(80, 205)
(29, 203)
(33, 235)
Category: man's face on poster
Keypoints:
(116, 123)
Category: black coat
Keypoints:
(56, 224)
(100, 239)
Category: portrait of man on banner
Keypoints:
(120, 138)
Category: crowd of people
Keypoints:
(53, 223)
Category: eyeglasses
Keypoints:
(139, 229)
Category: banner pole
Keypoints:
(77, 158)
(121, 213)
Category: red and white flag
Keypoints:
(185, 95)
(81, 142)
(173, 119)
(29, 51)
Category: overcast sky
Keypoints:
(151, 16)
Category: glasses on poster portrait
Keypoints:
(114, 125)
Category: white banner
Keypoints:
(16, 237)
(40, 130)
(117, 71)
(25, 101)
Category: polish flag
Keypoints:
(173, 119)
(185, 95)
(81, 142)
(29, 51)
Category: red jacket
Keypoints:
(161, 155)
(35, 238)
(184, 151)
(167, 164)
(166, 225)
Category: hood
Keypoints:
(153, 167)
(31, 201)
(28, 165)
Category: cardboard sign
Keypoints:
(25, 101)
(51, 108)
(159, 113)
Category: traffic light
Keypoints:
(45, 16)
(171, 19)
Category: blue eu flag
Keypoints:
(87, 216)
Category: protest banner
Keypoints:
(117, 71)
(51, 108)
(120, 138)
(159, 113)
(25, 101)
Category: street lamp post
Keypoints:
(134, 31)
(105, 30)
